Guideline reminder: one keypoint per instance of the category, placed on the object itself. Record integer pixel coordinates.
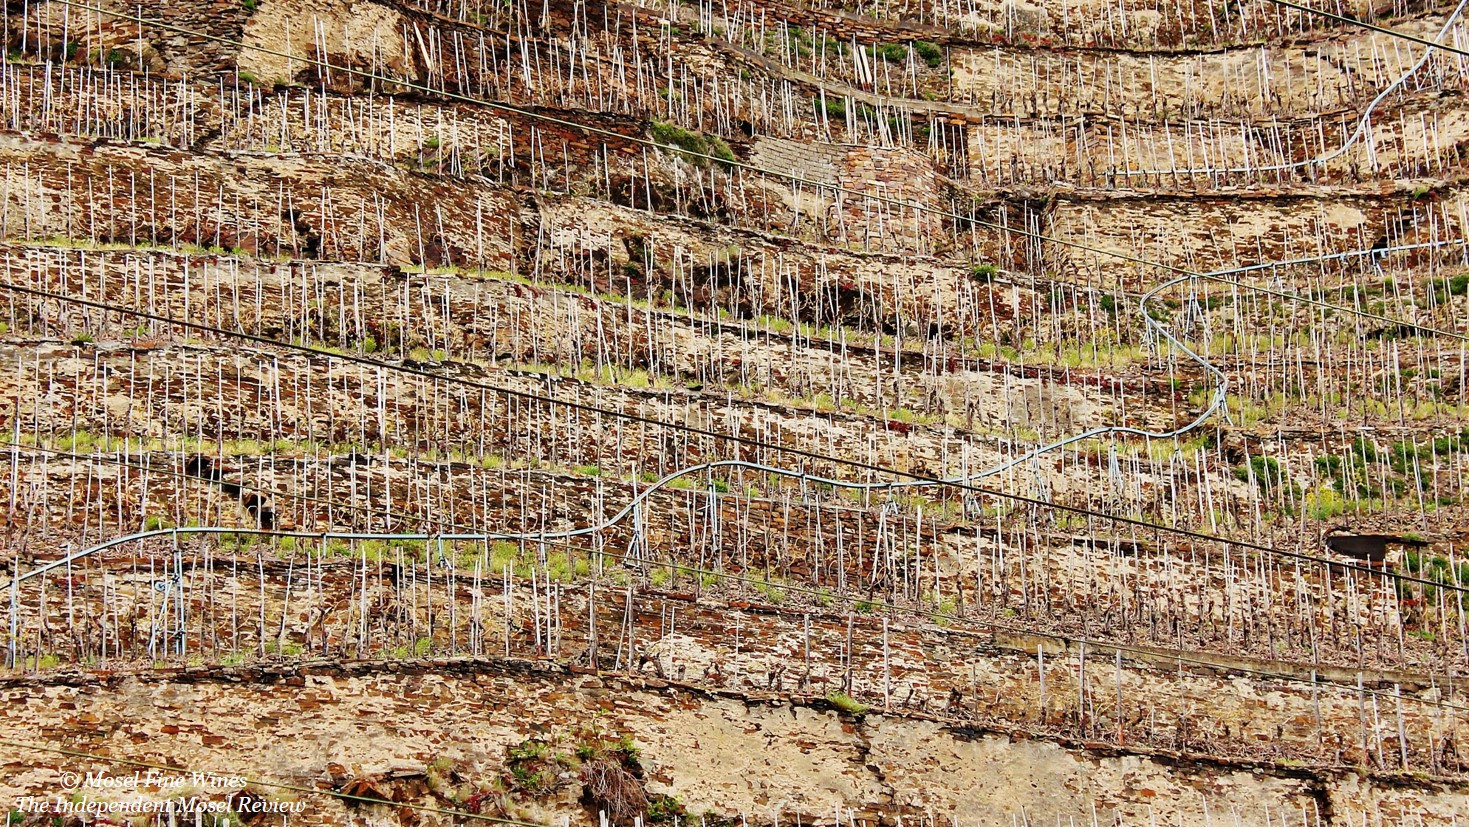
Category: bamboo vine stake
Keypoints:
(887, 683)
(421, 417)
(711, 99)
(1082, 721)
(1040, 658)
(354, 581)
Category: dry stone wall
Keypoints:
(766, 757)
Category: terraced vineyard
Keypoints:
(444, 411)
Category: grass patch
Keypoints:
(932, 53)
(893, 52)
(983, 273)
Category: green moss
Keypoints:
(690, 145)
(720, 150)
(156, 522)
(846, 704)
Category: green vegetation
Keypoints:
(594, 744)
(284, 648)
(799, 42)
(831, 46)
(927, 52)
(944, 615)
(773, 594)
(893, 52)
(1357, 476)
(612, 781)
(692, 146)
(664, 810)
(560, 565)
(984, 273)
(1264, 471)
(156, 522)
(534, 768)
(1324, 503)
(932, 53)
(1433, 568)
(1439, 290)
(238, 542)
(846, 704)
(424, 355)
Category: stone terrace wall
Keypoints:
(766, 758)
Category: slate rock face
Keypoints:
(416, 339)
(765, 760)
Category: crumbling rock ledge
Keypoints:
(764, 757)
